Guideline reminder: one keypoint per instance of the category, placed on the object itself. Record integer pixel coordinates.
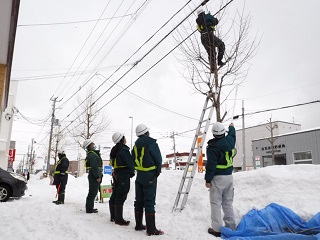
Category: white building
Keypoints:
(257, 132)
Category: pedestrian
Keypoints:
(206, 26)
(123, 170)
(148, 161)
(60, 176)
(218, 177)
(93, 164)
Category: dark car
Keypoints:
(11, 185)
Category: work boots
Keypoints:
(151, 225)
(139, 226)
(60, 199)
(119, 216)
(112, 212)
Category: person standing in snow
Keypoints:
(60, 177)
(93, 165)
(123, 170)
(218, 177)
(148, 162)
(206, 25)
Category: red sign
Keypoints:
(12, 155)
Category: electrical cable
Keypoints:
(131, 57)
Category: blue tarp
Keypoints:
(274, 222)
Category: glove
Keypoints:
(132, 175)
(157, 174)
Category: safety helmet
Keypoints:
(86, 143)
(116, 137)
(200, 10)
(218, 129)
(61, 151)
(141, 129)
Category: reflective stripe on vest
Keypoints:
(201, 28)
(85, 162)
(138, 162)
(229, 160)
(114, 163)
(58, 172)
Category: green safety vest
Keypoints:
(229, 158)
(138, 161)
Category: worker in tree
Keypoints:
(148, 162)
(218, 177)
(123, 170)
(206, 25)
(61, 176)
(93, 165)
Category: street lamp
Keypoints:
(131, 130)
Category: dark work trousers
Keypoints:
(210, 41)
(145, 197)
(120, 187)
(93, 190)
(60, 181)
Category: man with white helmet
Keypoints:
(148, 162)
(218, 177)
(93, 164)
(61, 176)
(123, 170)
(206, 26)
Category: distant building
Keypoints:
(178, 161)
(300, 147)
(258, 132)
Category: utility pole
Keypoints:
(244, 163)
(51, 130)
(174, 151)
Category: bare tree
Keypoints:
(239, 50)
(90, 122)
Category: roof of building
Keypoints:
(291, 133)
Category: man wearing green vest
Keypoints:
(148, 162)
(93, 164)
(218, 177)
(61, 176)
(123, 170)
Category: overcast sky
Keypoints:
(60, 46)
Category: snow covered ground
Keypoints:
(34, 216)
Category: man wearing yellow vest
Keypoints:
(148, 162)
(61, 176)
(218, 177)
(93, 164)
(123, 170)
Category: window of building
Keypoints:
(302, 157)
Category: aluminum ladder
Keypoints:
(191, 164)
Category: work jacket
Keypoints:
(220, 153)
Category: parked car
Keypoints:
(11, 185)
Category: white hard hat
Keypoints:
(86, 143)
(61, 151)
(116, 137)
(141, 129)
(218, 129)
(200, 10)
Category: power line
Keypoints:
(74, 22)
(129, 59)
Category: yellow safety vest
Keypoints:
(229, 159)
(85, 162)
(113, 162)
(55, 169)
(138, 162)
